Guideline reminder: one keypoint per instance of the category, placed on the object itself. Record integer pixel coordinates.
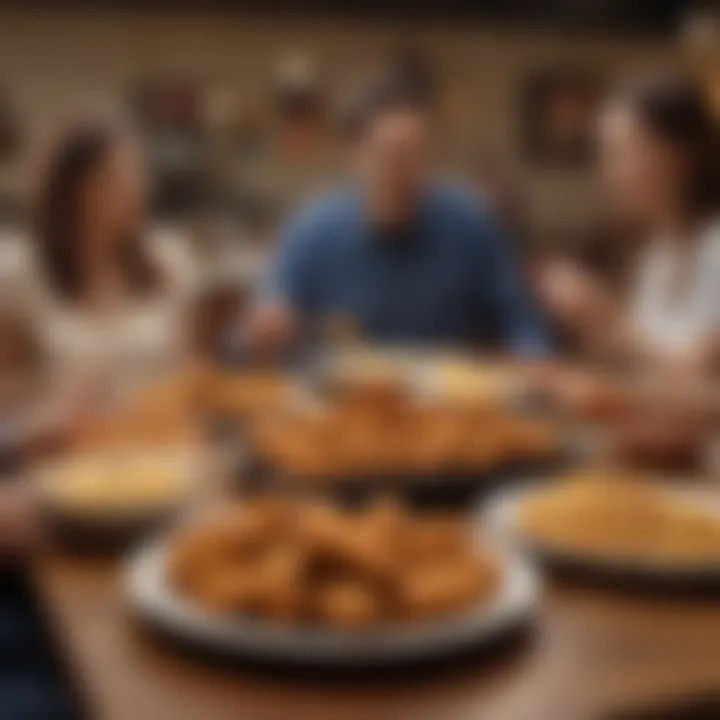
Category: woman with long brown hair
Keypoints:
(659, 152)
(108, 302)
(101, 306)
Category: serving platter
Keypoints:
(154, 601)
(450, 488)
(501, 514)
(432, 491)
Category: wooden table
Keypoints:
(592, 652)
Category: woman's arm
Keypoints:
(579, 303)
(699, 359)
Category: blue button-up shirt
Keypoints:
(446, 278)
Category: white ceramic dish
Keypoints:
(501, 513)
(154, 601)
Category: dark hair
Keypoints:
(80, 151)
(404, 86)
(674, 108)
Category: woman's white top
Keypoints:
(121, 346)
(675, 321)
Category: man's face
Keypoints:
(393, 156)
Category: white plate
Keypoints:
(501, 513)
(149, 595)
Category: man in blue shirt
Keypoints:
(396, 256)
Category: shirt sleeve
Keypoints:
(502, 295)
(290, 277)
(178, 264)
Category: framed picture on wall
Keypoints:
(10, 131)
(558, 109)
(169, 114)
(713, 93)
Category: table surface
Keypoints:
(592, 651)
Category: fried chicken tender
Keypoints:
(442, 586)
(161, 413)
(347, 604)
(293, 562)
(433, 537)
(229, 589)
(387, 519)
(530, 438)
(238, 533)
(371, 430)
(279, 578)
(241, 394)
(197, 552)
(347, 541)
(269, 514)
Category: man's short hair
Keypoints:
(389, 92)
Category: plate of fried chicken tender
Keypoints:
(611, 520)
(305, 581)
(379, 431)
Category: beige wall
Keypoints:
(52, 64)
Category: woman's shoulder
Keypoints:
(709, 244)
(20, 279)
(15, 251)
(173, 252)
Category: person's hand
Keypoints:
(573, 296)
(659, 436)
(537, 377)
(693, 362)
(270, 328)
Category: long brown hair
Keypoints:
(674, 108)
(79, 153)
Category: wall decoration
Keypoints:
(169, 114)
(300, 107)
(10, 132)
(251, 131)
(558, 109)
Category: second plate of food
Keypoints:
(308, 584)
(623, 530)
(367, 440)
(105, 499)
